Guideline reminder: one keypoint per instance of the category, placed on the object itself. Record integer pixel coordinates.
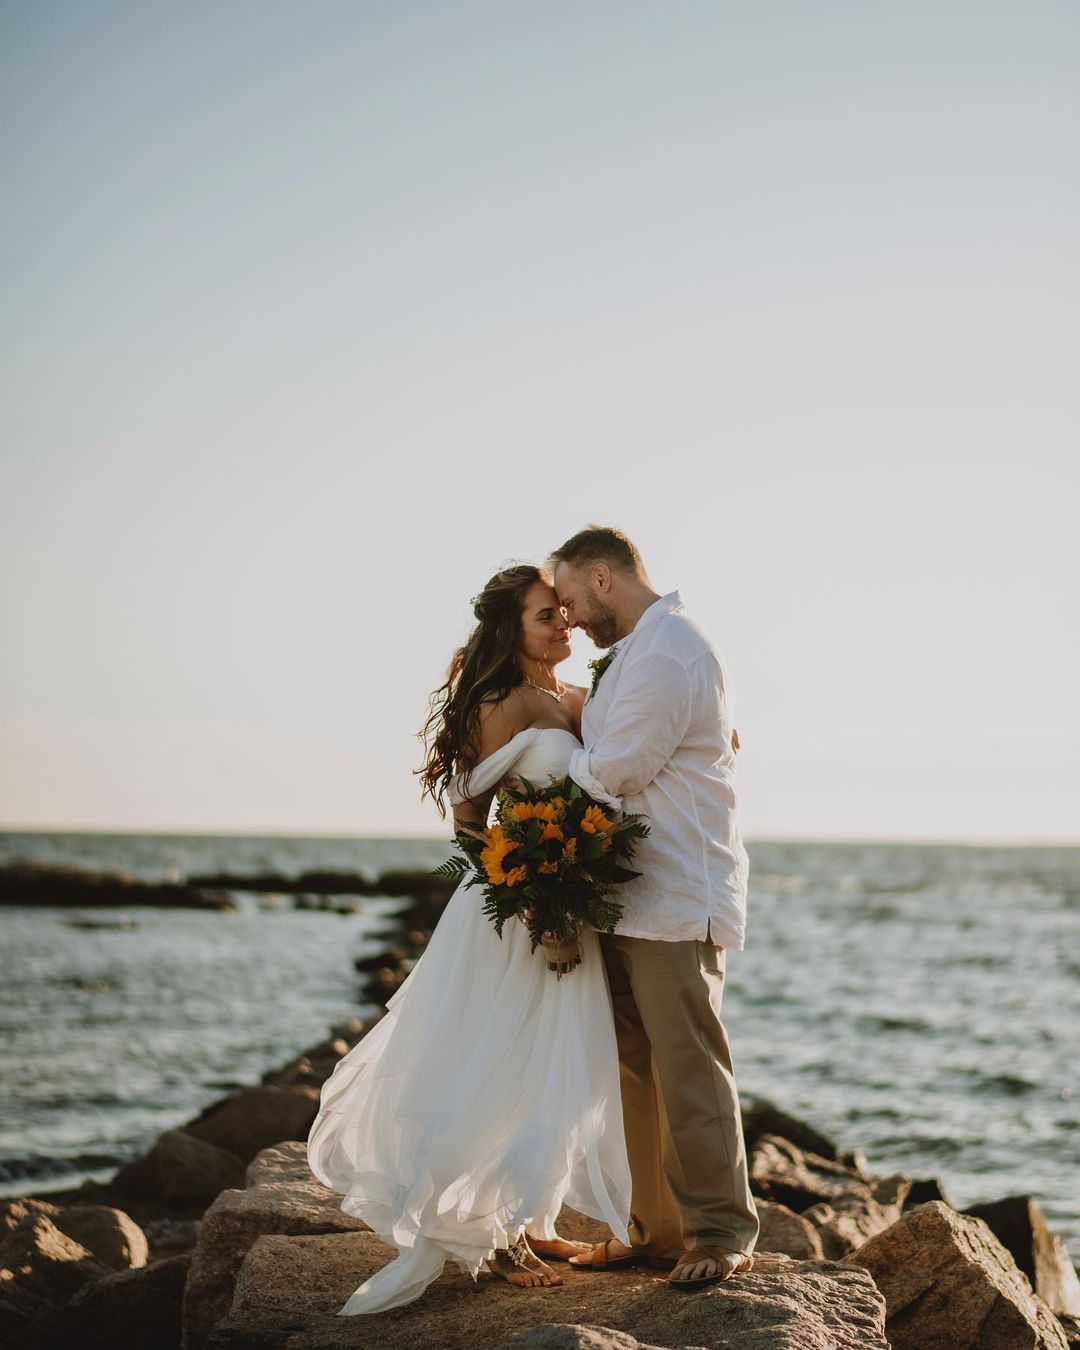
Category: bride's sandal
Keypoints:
(520, 1266)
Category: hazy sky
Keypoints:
(316, 314)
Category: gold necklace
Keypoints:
(558, 697)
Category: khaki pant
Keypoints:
(684, 1133)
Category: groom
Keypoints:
(658, 739)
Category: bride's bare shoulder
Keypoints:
(500, 720)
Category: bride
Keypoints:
(488, 1095)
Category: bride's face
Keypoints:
(545, 633)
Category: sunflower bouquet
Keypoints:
(552, 858)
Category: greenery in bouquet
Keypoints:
(552, 857)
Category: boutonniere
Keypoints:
(599, 666)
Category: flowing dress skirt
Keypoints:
(485, 1099)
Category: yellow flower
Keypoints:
(515, 875)
(548, 867)
(533, 811)
(570, 850)
(595, 822)
(498, 846)
(552, 832)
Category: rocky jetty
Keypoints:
(219, 1236)
(269, 1259)
(31, 883)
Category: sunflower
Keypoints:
(533, 811)
(516, 874)
(595, 822)
(498, 846)
(546, 868)
(552, 832)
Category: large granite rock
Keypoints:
(180, 1168)
(109, 1234)
(846, 1223)
(12, 1212)
(284, 1162)
(41, 1267)
(257, 1117)
(1018, 1224)
(789, 1175)
(231, 1226)
(782, 1230)
(289, 1290)
(567, 1336)
(949, 1284)
(136, 1309)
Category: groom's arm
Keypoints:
(649, 717)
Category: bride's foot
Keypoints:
(557, 1248)
(519, 1265)
(605, 1255)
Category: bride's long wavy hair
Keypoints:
(485, 667)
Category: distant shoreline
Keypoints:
(837, 841)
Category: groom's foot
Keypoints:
(520, 1266)
(557, 1248)
(708, 1265)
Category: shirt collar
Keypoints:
(666, 604)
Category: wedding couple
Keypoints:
(492, 1093)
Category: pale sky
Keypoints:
(317, 314)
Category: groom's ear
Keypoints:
(601, 574)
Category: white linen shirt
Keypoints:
(657, 739)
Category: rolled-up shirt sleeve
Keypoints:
(647, 722)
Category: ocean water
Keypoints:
(919, 1003)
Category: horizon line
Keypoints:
(915, 841)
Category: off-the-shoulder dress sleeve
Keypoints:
(489, 771)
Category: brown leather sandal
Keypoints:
(598, 1258)
(541, 1247)
(742, 1264)
(510, 1263)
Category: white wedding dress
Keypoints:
(487, 1097)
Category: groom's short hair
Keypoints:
(599, 543)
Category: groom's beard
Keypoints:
(602, 626)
